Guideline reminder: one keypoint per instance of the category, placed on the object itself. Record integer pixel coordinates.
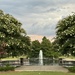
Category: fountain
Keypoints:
(40, 57)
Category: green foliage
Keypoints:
(7, 68)
(65, 35)
(55, 49)
(71, 69)
(46, 47)
(13, 35)
(35, 48)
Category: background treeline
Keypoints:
(15, 42)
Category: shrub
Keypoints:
(7, 68)
(71, 69)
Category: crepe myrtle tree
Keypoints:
(2, 51)
(65, 35)
(12, 35)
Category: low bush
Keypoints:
(7, 68)
(71, 69)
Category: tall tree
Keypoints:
(35, 48)
(27, 41)
(65, 35)
(55, 50)
(46, 47)
(11, 34)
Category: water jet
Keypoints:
(40, 57)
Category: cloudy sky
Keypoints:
(39, 17)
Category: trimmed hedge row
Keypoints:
(7, 68)
(71, 69)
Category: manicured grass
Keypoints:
(10, 58)
(17, 58)
(13, 58)
(67, 57)
(35, 73)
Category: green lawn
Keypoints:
(35, 73)
(13, 58)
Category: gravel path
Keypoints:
(41, 68)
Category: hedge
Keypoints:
(71, 69)
(7, 68)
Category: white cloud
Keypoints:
(39, 17)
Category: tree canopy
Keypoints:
(65, 35)
(35, 48)
(12, 35)
(46, 47)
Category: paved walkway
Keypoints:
(41, 68)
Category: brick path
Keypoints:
(42, 68)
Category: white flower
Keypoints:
(73, 51)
